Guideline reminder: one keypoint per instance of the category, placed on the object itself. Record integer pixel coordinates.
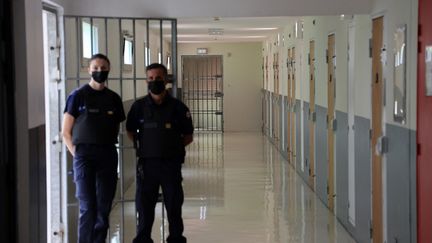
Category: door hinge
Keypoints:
(309, 59)
(382, 145)
(327, 56)
(371, 230)
(370, 47)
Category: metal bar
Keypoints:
(222, 98)
(106, 42)
(193, 88)
(134, 58)
(161, 41)
(207, 90)
(200, 74)
(148, 62)
(121, 137)
(91, 37)
(174, 56)
(215, 117)
(78, 56)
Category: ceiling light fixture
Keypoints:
(215, 31)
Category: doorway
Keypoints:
(331, 94)
(312, 114)
(377, 131)
(293, 108)
(289, 113)
(202, 90)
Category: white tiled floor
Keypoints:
(238, 189)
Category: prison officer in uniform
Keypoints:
(90, 128)
(161, 127)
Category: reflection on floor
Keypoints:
(239, 189)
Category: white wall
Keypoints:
(242, 77)
(319, 32)
(396, 13)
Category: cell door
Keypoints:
(377, 113)
(202, 91)
(424, 120)
(331, 59)
(312, 115)
(277, 99)
(54, 101)
(289, 81)
(292, 110)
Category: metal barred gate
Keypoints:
(202, 90)
(131, 44)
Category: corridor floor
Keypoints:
(239, 189)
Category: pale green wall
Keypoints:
(242, 77)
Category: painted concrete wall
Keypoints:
(242, 82)
(399, 163)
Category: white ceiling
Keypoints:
(241, 20)
(193, 30)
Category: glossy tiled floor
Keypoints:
(238, 189)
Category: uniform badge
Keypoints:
(188, 114)
(110, 112)
(168, 125)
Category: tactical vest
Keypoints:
(98, 123)
(159, 134)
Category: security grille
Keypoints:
(131, 44)
(202, 90)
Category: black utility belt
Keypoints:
(153, 125)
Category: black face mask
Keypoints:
(156, 86)
(100, 77)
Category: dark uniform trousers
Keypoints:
(152, 173)
(95, 176)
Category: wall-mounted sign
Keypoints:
(202, 51)
(428, 60)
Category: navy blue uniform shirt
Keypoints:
(75, 104)
(100, 100)
(136, 114)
